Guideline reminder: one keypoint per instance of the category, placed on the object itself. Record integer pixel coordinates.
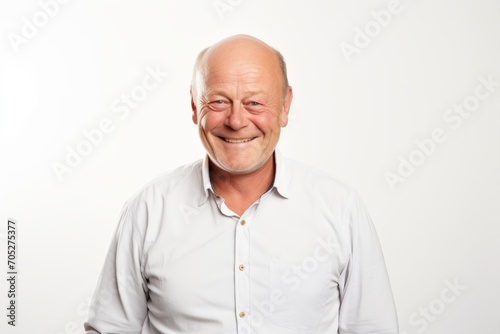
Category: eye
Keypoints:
(218, 105)
(217, 102)
(254, 103)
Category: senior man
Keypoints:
(245, 240)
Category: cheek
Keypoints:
(210, 120)
(267, 124)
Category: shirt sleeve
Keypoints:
(366, 301)
(119, 303)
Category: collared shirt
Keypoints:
(304, 258)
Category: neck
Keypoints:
(240, 191)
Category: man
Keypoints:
(246, 240)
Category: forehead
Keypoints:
(237, 72)
(254, 74)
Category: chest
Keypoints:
(267, 264)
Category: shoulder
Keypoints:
(142, 212)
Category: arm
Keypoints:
(367, 305)
(119, 304)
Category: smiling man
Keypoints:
(245, 240)
(240, 102)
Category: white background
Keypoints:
(351, 117)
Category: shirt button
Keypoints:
(243, 222)
(242, 267)
(242, 314)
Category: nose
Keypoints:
(236, 118)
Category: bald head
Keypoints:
(240, 48)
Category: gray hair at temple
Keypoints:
(281, 60)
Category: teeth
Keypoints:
(237, 140)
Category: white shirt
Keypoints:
(304, 258)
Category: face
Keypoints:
(239, 107)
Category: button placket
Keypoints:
(242, 278)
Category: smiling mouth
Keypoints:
(237, 141)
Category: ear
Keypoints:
(194, 116)
(286, 107)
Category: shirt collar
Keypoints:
(282, 177)
(205, 179)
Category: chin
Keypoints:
(239, 167)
